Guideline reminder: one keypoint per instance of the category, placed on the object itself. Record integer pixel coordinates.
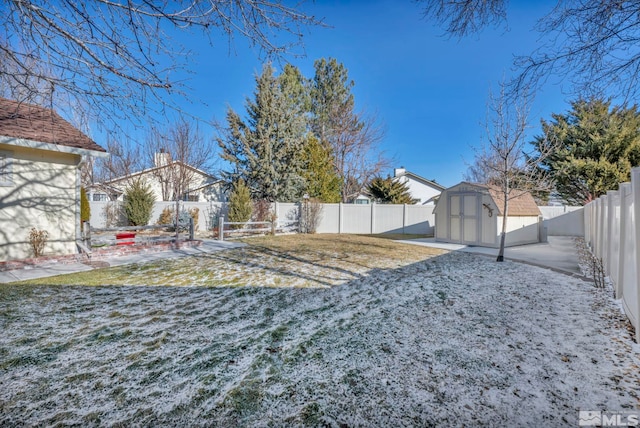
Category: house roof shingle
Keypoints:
(30, 122)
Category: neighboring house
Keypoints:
(362, 200)
(198, 185)
(423, 190)
(40, 159)
(471, 214)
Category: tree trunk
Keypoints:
(177, 218)
(503, 235)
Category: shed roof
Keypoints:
(35, 123)
(521, 203)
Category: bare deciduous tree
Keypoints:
(503, 161)
(593, 44)
(124, 159)
(177, 154)
(465, 17)
(113, 57)
(354, 140)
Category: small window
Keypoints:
(99, 197)
(6, 171)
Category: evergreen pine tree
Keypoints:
(138, 203)
(240, 205)
(322, 181)
(597, 146)
(389, 191)
(266, 149)
(85, 207)
(351, 136)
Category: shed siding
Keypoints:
(468, 214)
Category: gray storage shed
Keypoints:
(471, 214)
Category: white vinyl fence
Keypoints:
(367, 218)
(562, 221)
(612, 230)
(334, 218)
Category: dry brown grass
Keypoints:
(267, 261)
(375, 249)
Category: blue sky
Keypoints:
(428, 90)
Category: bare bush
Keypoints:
(37, 240)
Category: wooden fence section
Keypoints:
(255, 227)
(612, 230)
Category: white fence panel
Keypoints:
(420, 219)
(356, 218)
(104, 214)
(563, 220)
(329, 219)
(388, 218)
(612, 229)
(334, 218)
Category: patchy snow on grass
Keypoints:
(453, 340)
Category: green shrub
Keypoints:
(85, 208)
(240, 205)
(138, 203)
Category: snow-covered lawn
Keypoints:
(455, 339)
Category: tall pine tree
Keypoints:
(265, 151)
(352, 137)
(596, 147)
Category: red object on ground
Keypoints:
(125, 238)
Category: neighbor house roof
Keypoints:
(29, 122)
(401, 172)
(128, 177)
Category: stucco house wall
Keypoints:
(42, 196)
(40, 157)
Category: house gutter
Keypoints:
(22, 142)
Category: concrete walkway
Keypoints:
(559, 253)
(58, 268)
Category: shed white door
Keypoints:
(463, 218)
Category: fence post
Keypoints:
(340, 215)
(373, 216)
(86, 233)
(404, 218)
(191, 229)
(635, 186)
(221, 228)
(625, 222)
(610, 238)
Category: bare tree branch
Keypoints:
(594, 45)
(115, 57)
(464, 17)
(503, 162)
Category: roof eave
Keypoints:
(22, 142)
